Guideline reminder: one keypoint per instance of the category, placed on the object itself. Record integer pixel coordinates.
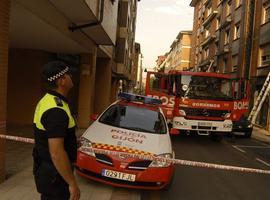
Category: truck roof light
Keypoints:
(139, 98)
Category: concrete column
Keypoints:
(86, 89)
(114, 89)
(103, 84)
(4, 38)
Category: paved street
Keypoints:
(189, 183)
(197, 183)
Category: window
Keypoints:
(225, 63)
(238, 3)
(216, 48)
(217, 23)
(235, 63)
(266, 59)
(228, 8)
(266, 13)
(134, 118)
(265, 55)
(236, 31)
(208, 11)
(206, 53)
(207, 33)
(227, 37)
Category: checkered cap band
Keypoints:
(58, 75)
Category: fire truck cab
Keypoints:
(203, 102)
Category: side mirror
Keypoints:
(94, 117)
(174, 131)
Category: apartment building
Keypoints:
(178, 58)
(260, 60)
(159, 62)
(232, 36)
(221, 36)
(136, 67)
(125, 43)
(82, 33)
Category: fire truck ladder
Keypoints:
(260, 99)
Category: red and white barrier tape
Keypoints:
(177, 161)
(18, 139)
(149, 157)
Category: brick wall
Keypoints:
(4, 34)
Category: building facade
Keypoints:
(125, 43)
(260, 60)
(232, 36)
(178, 58)
(221, 36)
(84, 34)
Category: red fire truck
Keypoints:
(203, 102)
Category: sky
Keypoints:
(158, 24)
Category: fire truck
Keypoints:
(206, 103)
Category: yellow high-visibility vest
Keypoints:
(47, 102)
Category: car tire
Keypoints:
(169, 185)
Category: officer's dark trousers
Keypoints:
(49, 183)
(51, 197)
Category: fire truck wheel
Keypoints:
(216, 137)
(248, 134)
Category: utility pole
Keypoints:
(141, 73)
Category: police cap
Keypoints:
(54, 70)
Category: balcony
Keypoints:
(226, 22)
(123, 32)
(96, 20)
(206, 2)
(210, 18)
(223, 51)
(208, 40)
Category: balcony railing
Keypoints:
(209, 18)
(208, 40)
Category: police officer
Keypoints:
(55, 147)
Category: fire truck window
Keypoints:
(200, 87)
(158, 83)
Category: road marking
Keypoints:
(243, 151)
(266, 163)
(256, 147)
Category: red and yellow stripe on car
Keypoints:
(120, 149)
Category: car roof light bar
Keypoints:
(139, 98)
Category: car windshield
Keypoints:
(202, 87)
(134, 118)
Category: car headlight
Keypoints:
(250, 126)
(85, 146)
(157, 163)
(227, 125)
(182, 112)
(227, 115)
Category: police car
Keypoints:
(134, 124)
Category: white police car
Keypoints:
(134, 124)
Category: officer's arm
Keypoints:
(60, 160)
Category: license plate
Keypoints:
(118, 175)
(204, 123)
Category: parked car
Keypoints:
(133, 124)
(243, 127)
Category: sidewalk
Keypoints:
(20, 183)
(261, 134)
